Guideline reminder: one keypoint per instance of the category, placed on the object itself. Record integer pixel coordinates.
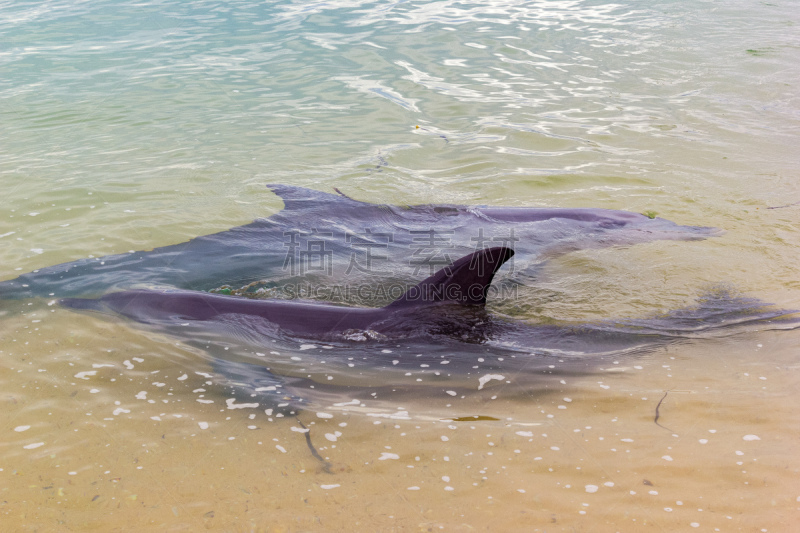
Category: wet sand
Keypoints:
(108, 430)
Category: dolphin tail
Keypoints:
(465, 281)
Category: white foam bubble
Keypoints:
(487, 378)
(386, 455)
(233, 405)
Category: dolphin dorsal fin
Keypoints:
(465, 281)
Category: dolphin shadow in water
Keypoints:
(340, 234)
(440, 322)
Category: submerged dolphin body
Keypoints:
(336, 233)
(448, 305)
(437, 333)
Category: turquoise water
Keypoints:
(136, 125)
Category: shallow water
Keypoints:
(132, 127)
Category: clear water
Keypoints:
(132, 126)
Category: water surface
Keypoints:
(127, 127)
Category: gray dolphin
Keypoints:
(437, 332)
(465, 282)
(319, 235)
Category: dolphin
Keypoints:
(448, 304)
(438, 332)
(319, 235)
(463, 283)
